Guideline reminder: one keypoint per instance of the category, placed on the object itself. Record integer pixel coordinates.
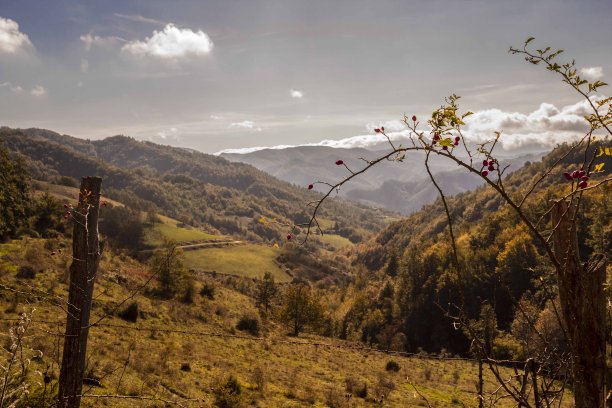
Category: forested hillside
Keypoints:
(411, 283)
(198, 189)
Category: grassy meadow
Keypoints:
(181, 352)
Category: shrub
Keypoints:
(189, 294)
(26, 272)
(130, 313)
(259, 378)
(208, 290)
(185, 366)
(392, 366)
(228, 394)
(249, 324)
(362, 392)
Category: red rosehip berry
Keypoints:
(583, 184)
(457, 138)
(456, 143)
(491, 162)
(289, 236)
(66, 206)
(310, 186)
(339, 162)
(491, 168)
(377, 130)
(484, 173)
(584, 178)
(65, 217)
(485, 162)
(444, 147)
(581, 173)
(382, 128)
(434, 142)
(414, 118)
(567, 176)
(575, 174)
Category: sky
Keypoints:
(218, 75)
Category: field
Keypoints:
(182, 352)
(172, 229)
(247, 260)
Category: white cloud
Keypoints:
(138, 18)
(171, 134)
(38, 90)
(390, 126)
(245, 124)
(296, 94)
(544, 127)
(216, 117)
(11, 87)
(105, 42)
(84, 66)
(171, 43)
(11, 39)
(592, 73)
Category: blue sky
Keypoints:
(215, 75)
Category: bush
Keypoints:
(392, 366)
(208, 290)
(363, 391)
(228, 394)
(189, 294)
(26, 272)
(259, 378)
(130, 313)
(249, 324)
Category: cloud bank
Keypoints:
(11, 39)
(171, 43)
(542, 128)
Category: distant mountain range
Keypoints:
(401, 187)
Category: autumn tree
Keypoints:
(266, 292)
(167, 265)
(300, 308)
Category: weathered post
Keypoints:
(583, 304)
(85, 260)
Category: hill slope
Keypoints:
(195, 188)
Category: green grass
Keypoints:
(168, 229)
(336, 241)
(249, 260)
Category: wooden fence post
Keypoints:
(85, 260)
(583, 304)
